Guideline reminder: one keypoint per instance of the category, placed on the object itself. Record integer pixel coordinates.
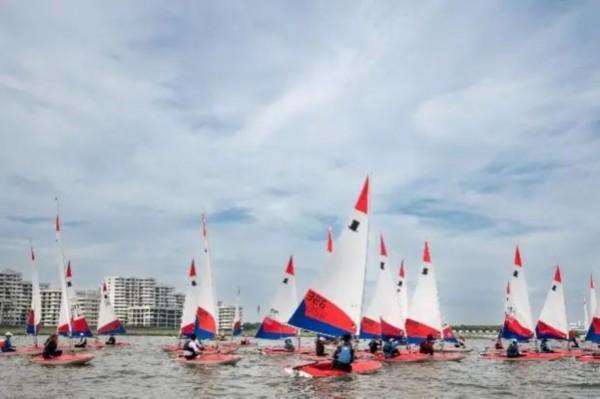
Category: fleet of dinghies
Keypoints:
(334, 305)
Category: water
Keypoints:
(142, 370)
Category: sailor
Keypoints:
(320, 346)
(544, 347)
(111, 340)
(402, 339)
(192, 347)
(426, 346)
(573, 340)
(344, 355)
(51, 347)
(288, 345)
(373, 346)
(7, 345)
(513, 349)
(390, 348)
(82, 341)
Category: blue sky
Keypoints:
(478, 122)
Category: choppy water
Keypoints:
(142, 370)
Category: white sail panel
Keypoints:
(552, 323)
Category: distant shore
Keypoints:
(466, 331)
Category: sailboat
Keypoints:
(69, 314)
(517, 320)
(593, 335)
(274, 326)
(108, 322)
(332, 305)
(206, 315)
(370, 324)
(33, 315)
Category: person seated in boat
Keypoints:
(288, 345)
(498, 345)
(344, 355)
(192, 347)
(390, 348)
(245, 341)
(460, 343)
(7, 345)
(111, 340)
(544, 347)
(82, 341)
(426, 346)
(402, 339)
(51, 347)
(573, 340)
(320, 346)
(373, 346)
(513, 349)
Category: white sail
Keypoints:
(34, 316)
(370, 326)
(108, 323)
(190, 304)
(402, 291)
(64, 319)
(207, 321)
(424, 317)
(274, 325)
(552, 323)
(592, 303)
(392, 317)
(332, 305)
(518, 323)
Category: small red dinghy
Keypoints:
(323, 369)
(67, 359)
(23, 351)
(210, 359)
(526, 356)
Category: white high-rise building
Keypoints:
(15, 298)
(226, 315)
(144, 302)
(89, 303)
(50, 306)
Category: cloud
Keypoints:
(478, 125)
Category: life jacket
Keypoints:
(345, 354)
(387, 347)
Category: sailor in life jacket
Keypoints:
(288, 345)
(7, 345)
(344, 355)
(192, 347)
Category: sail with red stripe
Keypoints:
(206, 315)
(108, 323)
(517, 321)
(370, 324)
(190, 304)
(34, 315)
(593, 330)
(333, 303)
(78, 323)
(552, 323)
(592, 300)
(274, 326)
(424, 316)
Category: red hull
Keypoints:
(323, 369)
(588, 358)
(68, 359)
(210, 359)
(526, 356)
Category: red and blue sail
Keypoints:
(205, 326)
(512, 329)
(273, 329)
(317, 313)
(113, 328)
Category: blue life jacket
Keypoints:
(345, 354)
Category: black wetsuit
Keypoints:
(319, 348)
(50, 350)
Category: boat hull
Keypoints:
(323, 369)
(526, 356)
(68, 359)
(210, 359)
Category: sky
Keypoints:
(478, 123)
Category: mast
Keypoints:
(61, 270)
(34, 317)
